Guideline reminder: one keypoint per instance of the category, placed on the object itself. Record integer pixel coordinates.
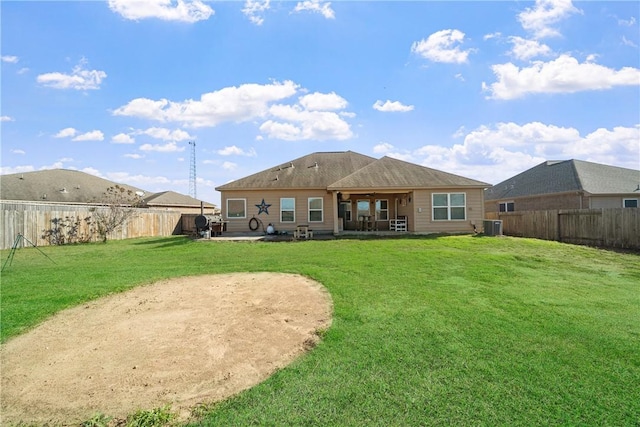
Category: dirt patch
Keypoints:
(179, 342)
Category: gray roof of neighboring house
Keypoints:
(171, 198)
(348, 170)
(563, 176)
(315, 170)
(71, 186)
(56, 185)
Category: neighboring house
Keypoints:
(332, 192)
(566, 184)
(69, 187)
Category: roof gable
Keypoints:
(315, 170)
(392, 173)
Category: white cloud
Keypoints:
(299, 124)
(442, 46)
(7, 119)
(562, 75)
(230, 166)
(254, 9)
(23, 70)
(134, 156)
(540, 19)
(9, 58)
(170, 147)
(236, 151)
(495, 153)
(165, 134)
(122, 138)
(627, 22)
(312, 118)
(317, 6)
(168, 10)
(94, 135)
(382, 148)
(17, 151)
(230, 104)
(627, 42)
(524, 49)
(66, 133)
(392, 106)
(492, 36)
(79, 79)
(323, 101)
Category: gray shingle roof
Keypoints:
(171, 198)
(315, 170)
(348, 170)
(390, 173)
(71, 186)
(565, 176)
(56, 185)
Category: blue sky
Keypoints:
(482, 89)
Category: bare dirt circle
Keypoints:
(178, 342)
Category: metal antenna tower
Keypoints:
(192, 171)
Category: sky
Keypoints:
(134, 91)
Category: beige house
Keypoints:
(566, 184)
(339, 192)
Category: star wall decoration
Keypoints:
(263, 207)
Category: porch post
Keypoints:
(336, 220)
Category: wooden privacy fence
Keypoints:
(611, 228)
(32, 220)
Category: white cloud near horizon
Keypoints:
(94, 135)
(254, 9)
(79, 79)
(189, 11)
(316, 6)
(18, 151)
(165, 134)
(495, 153)
(170, 147)
(442, 46)
(7, 119)
(561, 75)
(296, 124)
(392, 106)
(541, 19)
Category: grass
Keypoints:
(454, 330)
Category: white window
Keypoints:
(449, 206)
(287, 210)
(382, 210)
(507, 207)
(630, 203)
(346, 208)
(315, 209)
(236, 208)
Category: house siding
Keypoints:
(572, 200)
(272, 197)
(423, 218)
(610, 202)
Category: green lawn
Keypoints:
(427, 331)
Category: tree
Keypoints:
(120, 206)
